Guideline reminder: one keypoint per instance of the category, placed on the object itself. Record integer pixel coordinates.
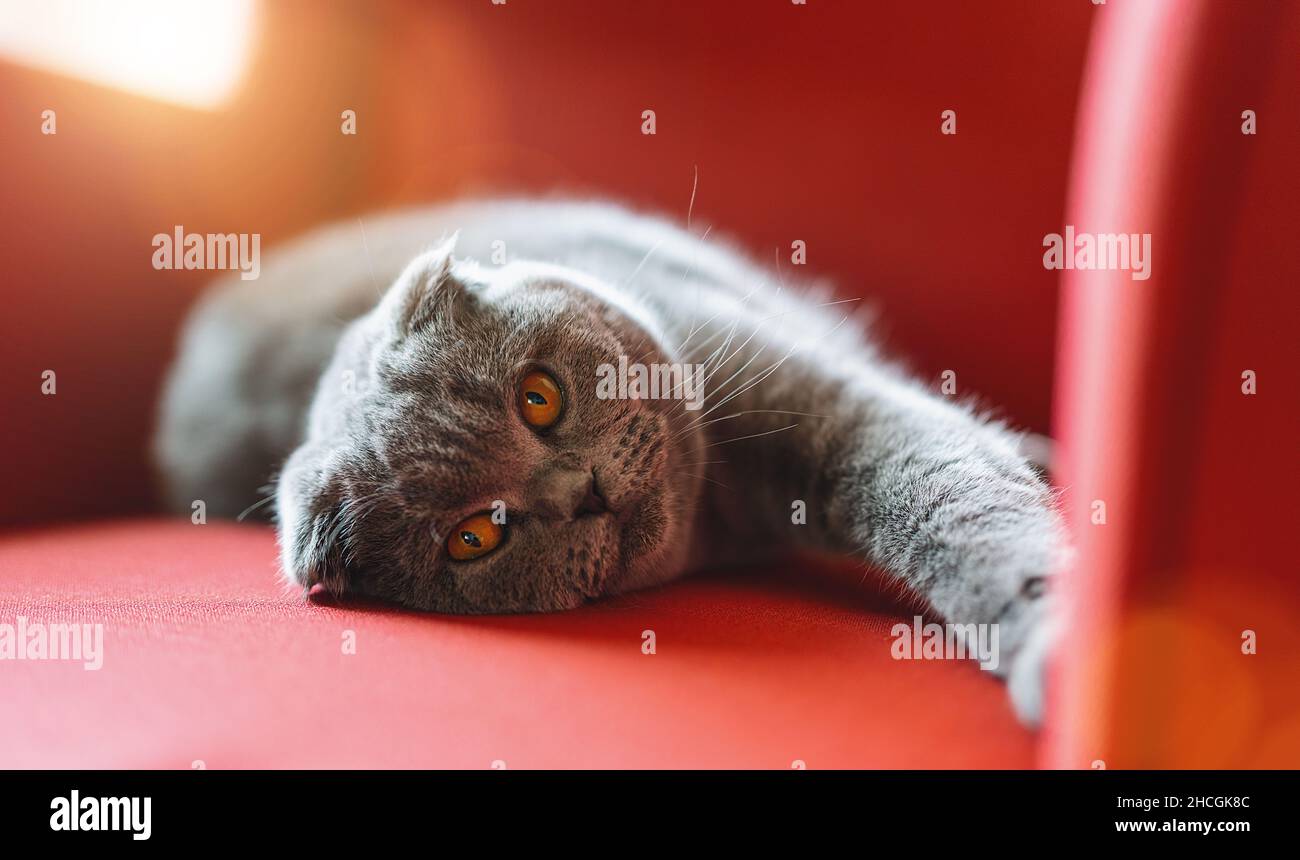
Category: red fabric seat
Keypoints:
(207, 658)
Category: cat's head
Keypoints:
(460, 458)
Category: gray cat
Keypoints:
(568, 400)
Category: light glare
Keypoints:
(187, 51)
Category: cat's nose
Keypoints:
(566, 494)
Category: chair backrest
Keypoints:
(1177, 399)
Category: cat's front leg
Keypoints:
(917, 485)
(946, 503)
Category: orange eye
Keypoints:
(539, 399)
(473, 537)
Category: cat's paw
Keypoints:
(1027, 673)
(1029, 628)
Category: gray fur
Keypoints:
(389, 414)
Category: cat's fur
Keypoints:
(395, 408)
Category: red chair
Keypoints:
(1196, 476)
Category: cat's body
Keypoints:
(406, 424)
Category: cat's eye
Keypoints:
(474, 537)
(540, 400)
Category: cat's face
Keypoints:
(459, 458)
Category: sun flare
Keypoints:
(190, 52)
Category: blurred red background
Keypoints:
(820, 124)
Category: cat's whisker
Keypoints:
(766, 373)
(771, 317)
(694, 331)
(690, 207)
(752, 382)
(734, 353)
(700, 423)
(838, 302)
(648, 348)
(686, 377)
(681, 405)
(695, 259)
(722, 330)
(726, 344)
(709, 360)
(724, 361)
(369, 261)
(707, 478)
(751, 436)
(744, 301)
(753, 358)
(254, 506)
(644, 260)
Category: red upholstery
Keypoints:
(1199, 479)
(206, 658)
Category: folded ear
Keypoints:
(427, 290)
